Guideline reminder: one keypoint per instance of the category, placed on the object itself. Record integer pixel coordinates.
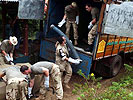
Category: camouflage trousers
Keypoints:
(92, 34)
(65, 67)
(68, 25)
(56, 77)
(16, 91)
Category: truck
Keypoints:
(114, 39)
(114, 35)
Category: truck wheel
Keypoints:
(108, 67)
(115, 65)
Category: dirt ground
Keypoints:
(68, 95)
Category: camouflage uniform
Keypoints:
(16, 84)
(5, 46)
(55, 74)
(16, 91)
(92, 33)
(71, 14)
(64, 65)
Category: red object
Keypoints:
(46, 7)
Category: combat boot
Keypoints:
(75, 42)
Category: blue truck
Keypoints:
(114, 35)
(109, 48)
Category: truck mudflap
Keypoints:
(47, 52)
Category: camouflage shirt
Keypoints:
(71, 13)
(95, 13)
(5, 46)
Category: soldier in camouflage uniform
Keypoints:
(6, 50)
(92, 25)
(17, 83)
(72, 18)
(45, 68)
(63, 60)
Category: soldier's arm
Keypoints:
(63, 55)
(31, 82)
(46, 72)
(2, 75)
(11, 55)
(64, 16)
(94, 13)
(3, 48)
(4, 52)
(65, 13)
(94, 21)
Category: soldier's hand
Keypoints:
(77, 19)
(61, 23)
(90, 25)
(7, 57)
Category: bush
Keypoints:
(88, 89)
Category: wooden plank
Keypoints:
(25, 38)
(101, 17)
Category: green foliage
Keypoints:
(33, 28)
(121, 90)
(88, 89)
(117, 92)
(128, 67)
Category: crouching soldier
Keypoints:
(16, 88)
(45, 68)
(7, 49)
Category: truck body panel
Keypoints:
(110, 45)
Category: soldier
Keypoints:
(6, 50)
(17, 84)
(92, 25)
(72, 17)
(45, 68)
(63, 60)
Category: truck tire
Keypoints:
(115, 65)
(2, 91)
